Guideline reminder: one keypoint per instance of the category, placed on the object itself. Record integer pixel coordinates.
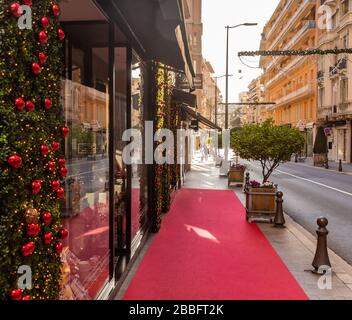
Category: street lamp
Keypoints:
(216, 95)
(225, 167)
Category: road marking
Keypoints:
(317, 183)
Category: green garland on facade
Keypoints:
(32, 163)
(166, 200)
(158, 171)
(294, 52)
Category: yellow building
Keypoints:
(290, 81)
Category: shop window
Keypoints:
(139, 189)
(85, 210)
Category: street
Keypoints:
(313, 192)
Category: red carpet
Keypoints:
(207, 251)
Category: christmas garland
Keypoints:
(294, 52)
(159, 124)
(32, 163)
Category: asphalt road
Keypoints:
(313, 192)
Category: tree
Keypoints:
(267, 143)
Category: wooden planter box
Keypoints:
(260, 204)
(235, 176)
(319, 159)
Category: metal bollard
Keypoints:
(340, 166)
(321, 256)
(327, 164)
(279, 217)
(246, 184)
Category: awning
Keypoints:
(200, 118)
(157, 28)
(184, 97)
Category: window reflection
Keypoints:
(139, 173)
(85, 211)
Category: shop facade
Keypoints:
(110, 85)
(119, 71)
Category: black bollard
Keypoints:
(327, 164)
(279, 217)
(321, 256)
(246, 184)
(340, 166)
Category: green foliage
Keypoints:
(23, 133)
(268, 144)
(320, 144)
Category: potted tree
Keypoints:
(236, 174)
(320, 149)
(270, 145)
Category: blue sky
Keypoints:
(219, 13)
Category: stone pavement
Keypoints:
(294, 244)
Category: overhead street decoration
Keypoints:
(294, 52)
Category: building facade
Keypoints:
(334, 78)
(290, 81)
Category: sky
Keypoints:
(219, 13)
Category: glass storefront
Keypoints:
(139, 188)
(85, 211)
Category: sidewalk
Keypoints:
(191, 263)
(333, 166)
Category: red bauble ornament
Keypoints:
(63, 233)
(48, 237)
(43, 37)
(63, 171)
(35, 68)
(62, 162)
(27, 297)
(56, 10)
(44, 150)
(27, 3)
(15, 161)
(60, 193)
(51, 166)
(47, 217)
(36, 186)
(30, 106)
(55, 145)
(20, 104)
(42, 57)
(33, 229)
(15, 8)
(55, 185)
(65, 131)
(44, 22)
(28, 249)
(16, 294)
(59, 247)
(48, 104)
(61, 34)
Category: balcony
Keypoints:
(294, 63)
(340, 111)
(293, 95)
(339, 68)
(307, 26)
(278, 19)
(320, 76)
(305, 4)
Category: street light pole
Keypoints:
(216, 95)
(225, 167)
